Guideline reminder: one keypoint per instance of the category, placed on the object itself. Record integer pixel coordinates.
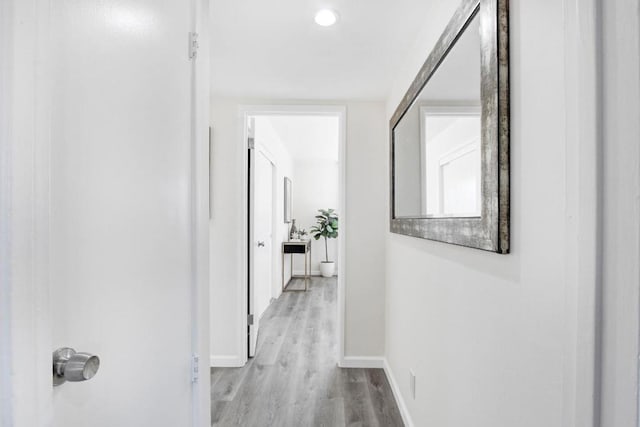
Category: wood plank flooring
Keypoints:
(294, 379)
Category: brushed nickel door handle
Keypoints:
(69, 365)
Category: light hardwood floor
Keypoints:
(294, 379)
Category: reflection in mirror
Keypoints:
(437, 143)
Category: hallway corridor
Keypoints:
(294, 379)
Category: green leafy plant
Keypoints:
(302, 233)
(327, 227)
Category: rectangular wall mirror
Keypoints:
(450, 136)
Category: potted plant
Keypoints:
(327, 227)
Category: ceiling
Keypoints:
(306, 137)
(274, 49)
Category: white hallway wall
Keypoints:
(488, 332)
(366, 194)
(316, 187)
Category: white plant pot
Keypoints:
(327, 268)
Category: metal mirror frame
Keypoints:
(490, 231)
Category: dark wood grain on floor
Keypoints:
(294, 379)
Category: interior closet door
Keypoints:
(261, 234)
(121, 213)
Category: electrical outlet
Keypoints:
(412, 384)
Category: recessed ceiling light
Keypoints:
(326, 17)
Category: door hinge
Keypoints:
(195, 368)
(193, 45)
(251, 143)
(250, 319)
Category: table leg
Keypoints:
(306, 277)
(310, 261)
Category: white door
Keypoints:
(260, 252)
(121, 214)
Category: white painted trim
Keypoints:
(226, 361)
(364, 362)
(7, 35)
(200, 209)
(581, 391)
(342, 240)
(290, 110)
(313, 273)
(243, 232)
(402, 406)
(25, 105)
(620, 216)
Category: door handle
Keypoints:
(68, 365)
(261, 244)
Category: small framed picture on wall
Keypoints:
(287, 200)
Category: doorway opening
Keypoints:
(295, 170)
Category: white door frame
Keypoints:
(246, 111)
(620, 212)
(200, 203)
(602, 302)
(581, 308)
(25, 316)
(25, 325)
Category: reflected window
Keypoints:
(451, 162)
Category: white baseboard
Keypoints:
(218, 361)
(313, 273)
(301, 272)
(404, 412)
(362, 362)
